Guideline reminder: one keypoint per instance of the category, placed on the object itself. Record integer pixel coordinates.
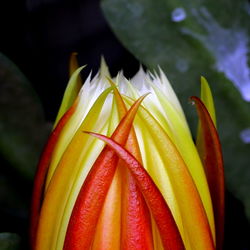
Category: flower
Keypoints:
(120, 169)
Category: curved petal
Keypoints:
(42, 170)
(166, 224)
(211, 155)
(70, 94)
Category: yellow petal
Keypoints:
(70, 94)
(207, 98)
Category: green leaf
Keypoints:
(9, 241)
(193, 38)
(22, 126)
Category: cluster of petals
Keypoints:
(121, 170)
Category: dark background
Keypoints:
(38, 36)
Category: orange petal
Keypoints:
(107, 234)
(136, 221)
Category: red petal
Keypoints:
(170, 235)
(211, 155)
(136, 221)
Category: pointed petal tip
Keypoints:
(208, 145)
(104, 70)
(111, 82)
(202, 78)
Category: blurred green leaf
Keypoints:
(192, 38)
(9, 241)
(22, 126)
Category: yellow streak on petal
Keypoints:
(64, 177)
(114, 118)
(70, 94)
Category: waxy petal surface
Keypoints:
(168, 230)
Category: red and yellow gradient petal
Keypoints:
(210, 151)
(42, 170)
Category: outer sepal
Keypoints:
(41, 173)
(211, 155)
